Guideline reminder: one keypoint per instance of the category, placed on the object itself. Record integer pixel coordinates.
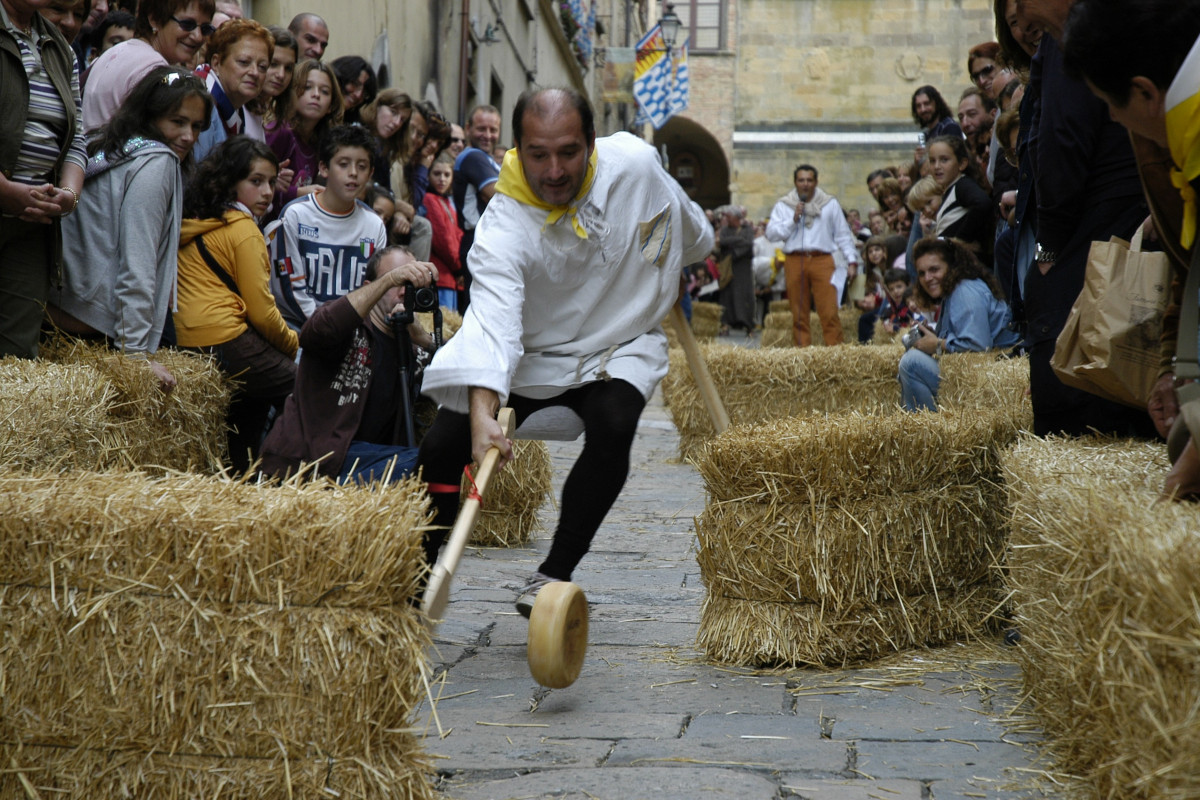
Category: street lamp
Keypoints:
(670, 23)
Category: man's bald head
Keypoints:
(312, 34)
(549, 104)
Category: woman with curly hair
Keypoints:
(120, 247)
(225, 303)
(971, 316)
(316, 107)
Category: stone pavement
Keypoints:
(649, 719)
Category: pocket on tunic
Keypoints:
(654, 237)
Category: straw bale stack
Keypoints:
(183, 430)
(1105, 582)
(846, 536)
(779, 305)
(706, 320)
(510, 508)
(765, 384)
(202, 617)
(758, 385)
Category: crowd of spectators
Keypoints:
(980, 242)
(181, 175)
(184, 176)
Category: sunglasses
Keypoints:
(189, 25)
(986, 72)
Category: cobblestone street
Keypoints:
(648, 718)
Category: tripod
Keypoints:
(407, 364)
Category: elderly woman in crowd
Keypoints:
(41, 165)
(239, 54)
(166, 32)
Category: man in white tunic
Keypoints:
(576, 261)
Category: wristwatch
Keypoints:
(1045, 256)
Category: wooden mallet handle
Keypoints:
(708, 389)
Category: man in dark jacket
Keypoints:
(1078, 184)
(343, 409)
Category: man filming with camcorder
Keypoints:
(352, 403)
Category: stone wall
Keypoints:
(829, 82)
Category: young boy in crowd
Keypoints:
(447, 236)
(383, 203)
(322, 241)
(896, 313)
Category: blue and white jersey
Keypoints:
(318, 256)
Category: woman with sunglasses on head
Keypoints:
(120, 248)
(239, 54)
(166, 32)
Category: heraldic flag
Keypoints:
(652, 77)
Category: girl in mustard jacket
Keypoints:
(225, 302)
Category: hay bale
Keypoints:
(853, 455)
(510, 509)
(86, 774)
(772, 383)
(753, 633)
(183, 430)
(779, 305)
(777, 329)
(829, 519)
(201, 616)
(215, 540)
(767, 384)
(782, 335)
(57, 416)
(451, 322)
(706, 320)
(1104, 582)
(847, 552)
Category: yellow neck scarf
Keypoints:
(512, 182)
(1183, 137)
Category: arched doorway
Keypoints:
(696, 160)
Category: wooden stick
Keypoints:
(708, 389)
(437, 591)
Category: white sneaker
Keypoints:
(528, 593)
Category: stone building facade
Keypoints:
(826, 82)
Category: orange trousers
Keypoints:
(808, 277)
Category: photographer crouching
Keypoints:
(350, 404)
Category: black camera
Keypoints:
(418, 299)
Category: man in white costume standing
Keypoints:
(576, 261)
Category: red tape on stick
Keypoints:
(441, 488)
(473, 493)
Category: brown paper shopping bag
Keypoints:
(1109, 346)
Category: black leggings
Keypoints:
(610, 412)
